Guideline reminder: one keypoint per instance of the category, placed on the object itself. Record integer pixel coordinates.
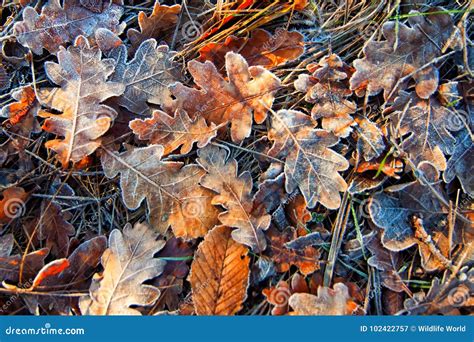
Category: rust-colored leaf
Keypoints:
(82, 77)
(407, 52)
(172, 192)
(261, 48)
(247, 94)
(219, 274)
(26, 102)
(127, 262)
(174, 132)
(234, 194)
(161, 20)
(310, 164)
(328, 88)
(59, 24)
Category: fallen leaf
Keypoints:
(234, 194)
(407, 52)
(219, 274)
(249, 90)
(328, 88)
(58, 25)
(82, 77)
(310, 164)
(174, 132)
(161, 20)
(369, 138)
(128, 262)
(26, 103)
(261, 48)
(167, 187)
(460, 163)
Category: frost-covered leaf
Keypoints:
(406, 51)
(261, 48)
(234, 193)
(461, 162)
(59, 24)
(310, 164)
(168, 187)
(328, 88)
(219, 274)
(162, 19)
(146, 77)
(369, 138)
(82, 77)
(128, 263)
(174, 132)
(247, 94)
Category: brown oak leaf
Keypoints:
(219, 274)
(234, 193)
(328, 88)
(460, 163)
(249, 90)
(174, 132)
(261, 48)
(161, 20)
(407, 51)
(370, 141)
(59, 24)
(26, 103)
(128, 263)
(172, 192)
(82, 77)
(310, 164)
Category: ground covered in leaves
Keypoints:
(223, 157)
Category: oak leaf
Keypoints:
(234, 194)
(146, 77)
(310, 164)
(329, 302)
(407, 51)
(369, 138)
(328, 88)
(59, 24)
(162, 19)
(174, 132)
(26, 104)
(261, 48)
(394, 209)
(423, 127)
(82, 77)
(219, 274)
(249, 90)
(172, 192)
(128, 263)
(460, 163)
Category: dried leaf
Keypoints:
(26, 103)
(146, 77)
(174, 132)
(460, 163)
(219, 274)
(330, 302)
(234, 194)
(29, 265)
(310, 164)
(407, 52)
(82, 76)
(249, 90)
(58, 25)
(162, 19)
(393, 210)
(423, 126)
(128, 262)
(261, 48)
(169, 189)
(328, 89)
(369, 138)
(12, 204)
